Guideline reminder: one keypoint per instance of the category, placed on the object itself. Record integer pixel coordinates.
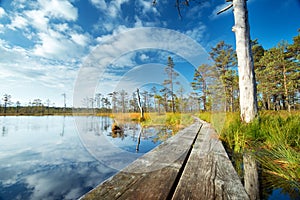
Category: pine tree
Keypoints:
(199, 83)
(293, 53)
(225, 61)
(172, 74)
(6, 99)
(275, 76)
(123, 100)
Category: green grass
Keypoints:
(281, 163)
(174, 121)
(171, 121)
(274, 139)
(217, 119)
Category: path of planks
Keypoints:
(192, 164)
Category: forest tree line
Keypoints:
(277, 77)
(277, 73)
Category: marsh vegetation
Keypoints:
(273, 139)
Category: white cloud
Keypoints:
(58, 41)
(147, 7)
(20, 4)
(61, 9)
(114, 15)
(100, 4)
(111, 16)
(55, 45)
(49, 45)
(24, 66)
(121, 44)
(62, 27)
(37, 19)
(197, 32)
(2, 12)
(40, 14)
(30, 77)
(127, 39)
(116, 31)
(127, 60)
(111, 9)
(80, 39)
(138, 22)
(58, 48)
(109, 26)
(18, 22)
(118, 3)
(144, 57)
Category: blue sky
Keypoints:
(45, 43)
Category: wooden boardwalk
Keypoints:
(191, 165)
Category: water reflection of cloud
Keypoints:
(45, 165)
(63, 181)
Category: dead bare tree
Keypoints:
(247, 83)
(140, 105)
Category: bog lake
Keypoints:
(57, 157)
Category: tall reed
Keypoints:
(274, 139)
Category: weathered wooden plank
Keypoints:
(201, 172)
(251, 176)
(153, 175)
(209, 174)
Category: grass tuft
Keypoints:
(274, 137)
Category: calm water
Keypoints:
(55, 158)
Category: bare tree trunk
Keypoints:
(247, 84)
(140, 105)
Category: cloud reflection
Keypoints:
(38, 163)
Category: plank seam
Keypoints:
(180, 172)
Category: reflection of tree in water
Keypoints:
(163, 134)
(124, 130)
(156, 134)
(139, 140)
(95, 126)
(269, 183)
(133, 128)
(4, 128)
(4, 131)
(105, 123)
(63, 127)
(117, 134)
(92, 124)
(137, 133)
